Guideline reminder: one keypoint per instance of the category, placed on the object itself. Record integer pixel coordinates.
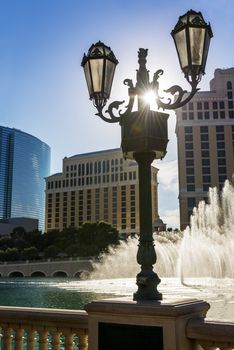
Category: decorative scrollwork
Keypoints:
(174, 90)
(113, 118)
(180, 96)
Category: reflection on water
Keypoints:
(73, 294)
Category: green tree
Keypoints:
(2, 255)
(12, 254)
(30, 253)
(51, 251)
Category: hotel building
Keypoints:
(97, 186)
(24, 163)
(205, 136)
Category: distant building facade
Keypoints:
(8, 225)
(205, 135)
(97, 186)
(24, 163)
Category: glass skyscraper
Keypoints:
(24, 163)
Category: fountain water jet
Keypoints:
(205, 249)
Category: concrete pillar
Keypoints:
(129, 325)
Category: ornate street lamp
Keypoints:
(144, 132)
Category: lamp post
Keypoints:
(144, 132)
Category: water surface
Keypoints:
(73, 294)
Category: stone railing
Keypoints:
(26, 328)
(211, 335)
(45, 329)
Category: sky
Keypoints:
(42, 85)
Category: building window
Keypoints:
(205, 162)
(222, 170)
(206, 187)
(221, 161)
(220, 137)
(215, 105)
(221, 104)
(206, 179)
(229, 85)
(206, 105)
(204, 137)
(221, 154)
(189, 137)
(222, 114)
(219, 128)
(190, 179)
(222, 178)
(190, 105)
(188, 145)
(203, 129)
(199, 105)
(230, 104)
(229, 95)
(190, 171)
(205, 170)
(191, 201)
(184, 116)
(220, 145)
(189, 162)
(191, 116)
(231, 114)
(207, 115)
(189, 154)
(188, 130)
(190, 188)
(199, 115)
(204, 145)
(215, 115)
(205, 154)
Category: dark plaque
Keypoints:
(112, 336)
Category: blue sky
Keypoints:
(42, 87)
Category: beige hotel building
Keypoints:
(205, 136)
(97, 186)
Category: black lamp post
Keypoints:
(144, 132)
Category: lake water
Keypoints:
(73, 294)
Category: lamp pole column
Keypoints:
(147, 280)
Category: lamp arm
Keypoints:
(131, 94)
(116, 104)
(113, 118)
(176, 90)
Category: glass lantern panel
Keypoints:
(110, 70)
(97, 74)
(88, 78)
(197, 38)
(206, 49)
(180, 40)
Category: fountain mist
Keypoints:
(205, 249)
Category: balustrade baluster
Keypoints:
(55, 340)
(31, 339)
(7, 336)
(18, 338)
(43, 339)
(69, 341)
(83, 341)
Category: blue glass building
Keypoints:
(24, 163)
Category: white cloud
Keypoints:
(168, 176)
(171, 217)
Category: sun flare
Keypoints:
(149, 97)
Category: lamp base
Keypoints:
(147, 282)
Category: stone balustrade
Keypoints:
(35, 328)
(211, 335)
